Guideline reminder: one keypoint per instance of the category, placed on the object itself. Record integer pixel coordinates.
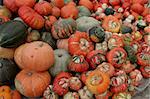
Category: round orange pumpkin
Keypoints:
(69, 10)
(29, 3)
(55, 11)
(58, 3)
(31, 83)
(137, 7)
(86, 3)
(37, 55)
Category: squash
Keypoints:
(30, 17)
(62, 59)
(12, 33)
(83, 11)
(56, 11)
(3, 19)
(10, 4)
(96, 34)
(49, 21)
(8, 70)
(125, 29)
(47, 37)
(86, 3)
(69, 11)
(63, 28)
(62, 44)
(7, 53)
(109, 11)
(5, 11)
(84, 23)
(31, 83)
(58, 3)
(29, 3)
(137, 7)
(37, 56)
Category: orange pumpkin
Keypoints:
(111, 24)
(146, 12)
(15, 94)
(58, 3)
(37, 55)
(29, 3)
(55, 11)
(68, 11)
(86, 3)
(50, 20)
(31, 83)
(97, 82)
(5, 95)
(137, 7)
(5, 89)
(62, 44)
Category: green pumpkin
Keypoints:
(62, 59)
(8, 71)
(84, 23)
(63, 28)
(47, 37)
(12, 33)
(83, 11)
(125, 29)
(96, 34)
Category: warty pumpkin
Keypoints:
(30, 55)
(31, 83)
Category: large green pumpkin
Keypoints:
(62, 59)
(63, 28)
(12, 33)
(84, 23)
(8, 71)
(83, 11)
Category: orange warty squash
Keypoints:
(31, 83)
(58, 3)
(86, 3)
(97, 82)
(68, 11)
(37, 55)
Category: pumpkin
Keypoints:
(7, 52)
(111, 24)
(10, 4)
(49, 21)
(62, 44)
(55, 11)
(3, 19)
(71, 95)
(8, 70)
(30, 17)
(96, 34)
(95, 57)
(15, 94)
(109, 11)
(78, 64)
(43, 8)
(80, 44)
(69, 11)
(145, 12)
(5, 11)
(32, 84)
(47, 37)
(33, 35)
(28, 56)
(83, 11)
(62, 59)
(84, 23)
(29, 3)
(58, 3)
(12, 33)
(114, 2)
(63, 28)
(86, 3)
(97, 82)
(122, 95)
(138, 8)
(75, 83)
(125, 29)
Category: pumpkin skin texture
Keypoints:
(62, 59)
(69, 11)
(26, 79)
(97, 82)
(29, 3)
(7, 53)
(15, 37)
(8, 70)
(84, 23)
(86, 3)
(10, 4)
(63, 28)
(83, 11)
(62, 44)
(58, 3)
(80, 44)
(29, 56)
(43, 8)
(137, 7)
(30, 17)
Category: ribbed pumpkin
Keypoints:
(31, 83)
(83, 11)
(12, 33)
(8, 70)
(63, 28)
(10, 4)
(37, 55)
(55, 11)
(58, 3)
(62, 59)
(62, 44)
(84, 23)
(29, 3)
(86, 3)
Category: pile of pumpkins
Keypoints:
(74, 49)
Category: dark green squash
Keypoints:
(12, 33)
(83, 11)
(47, 37)
(109, 11)
(96, 34)
(125, 29)
(8, 71)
